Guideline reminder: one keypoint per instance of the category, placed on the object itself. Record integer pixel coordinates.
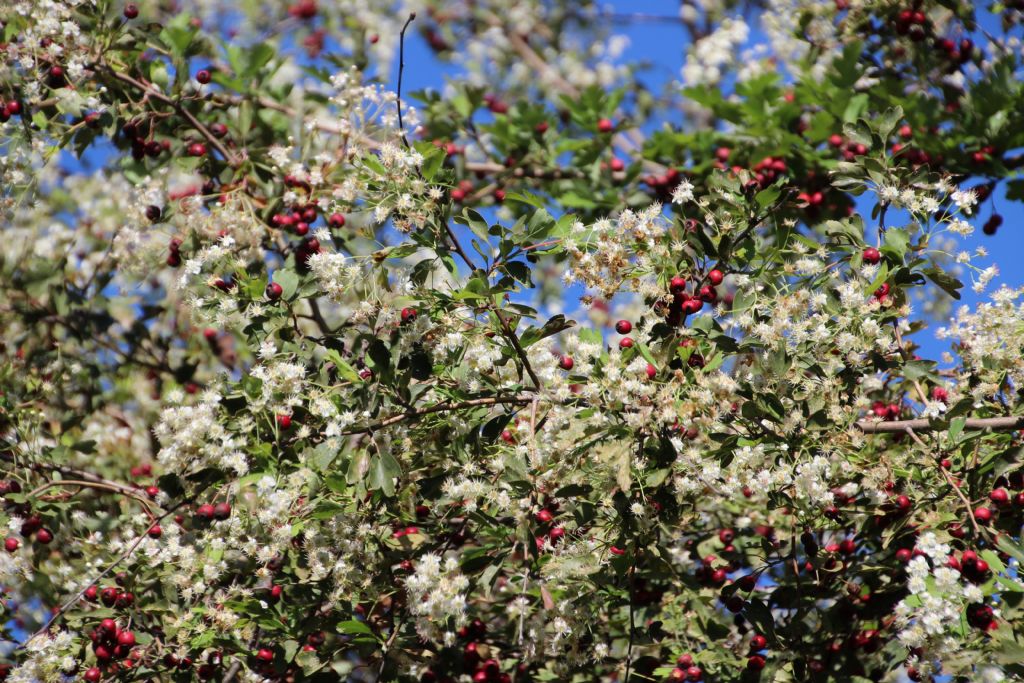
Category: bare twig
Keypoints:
(444, 407)
(906, 357)
(155, 94)
(395, 628)
(81, 483)
(120, 558)
(632, 621)
(401, 70)
(996, 424)
(510, 334)
(952, 484)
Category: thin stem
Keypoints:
(952, 484)
(395, 628)
(906, 357)
(120, 558)
(997, 424)
(632, 622)
(444, 407)
(520, 351)
(230, 158)
(116, 488)
(401, 71)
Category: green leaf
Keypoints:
(554, 325)
(956, 427)
(178, 35)
(883, 274)
(949, 284)
(897, 240)
(344, 369)
(354, 628)
(767, 196)
(887, 121)
(384, 469)
(432, 161)
(308, 661)
(289, 281)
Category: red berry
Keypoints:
(155, 531)
(605, 126)
(204, 511)
(274, 291)
(999, 496)
(544, 516)
(652, 371)
(408, 315)
(566, 362)
(265, 655)
(983, 515)
(284, 421)
(109, 596)
(126, 639)
(196, 149)
(221, 511)
(336, 220)
(677, 284)
(11, 544)
(44, 536)
(623, 327)
(758, 642)
(694, 673)
(755, 662)
(203, 76)
(715, 277)
(871, 256)
(131, 10)
(92, 674)
(626, 343)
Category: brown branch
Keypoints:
(87, 478)
(510, 334)
(82, 483)
(150, 91)
(120, 558)
(905, 354)
(401, 70)
(952, 484)
(441, 408)
(996, 424)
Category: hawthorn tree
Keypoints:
(547, 377)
